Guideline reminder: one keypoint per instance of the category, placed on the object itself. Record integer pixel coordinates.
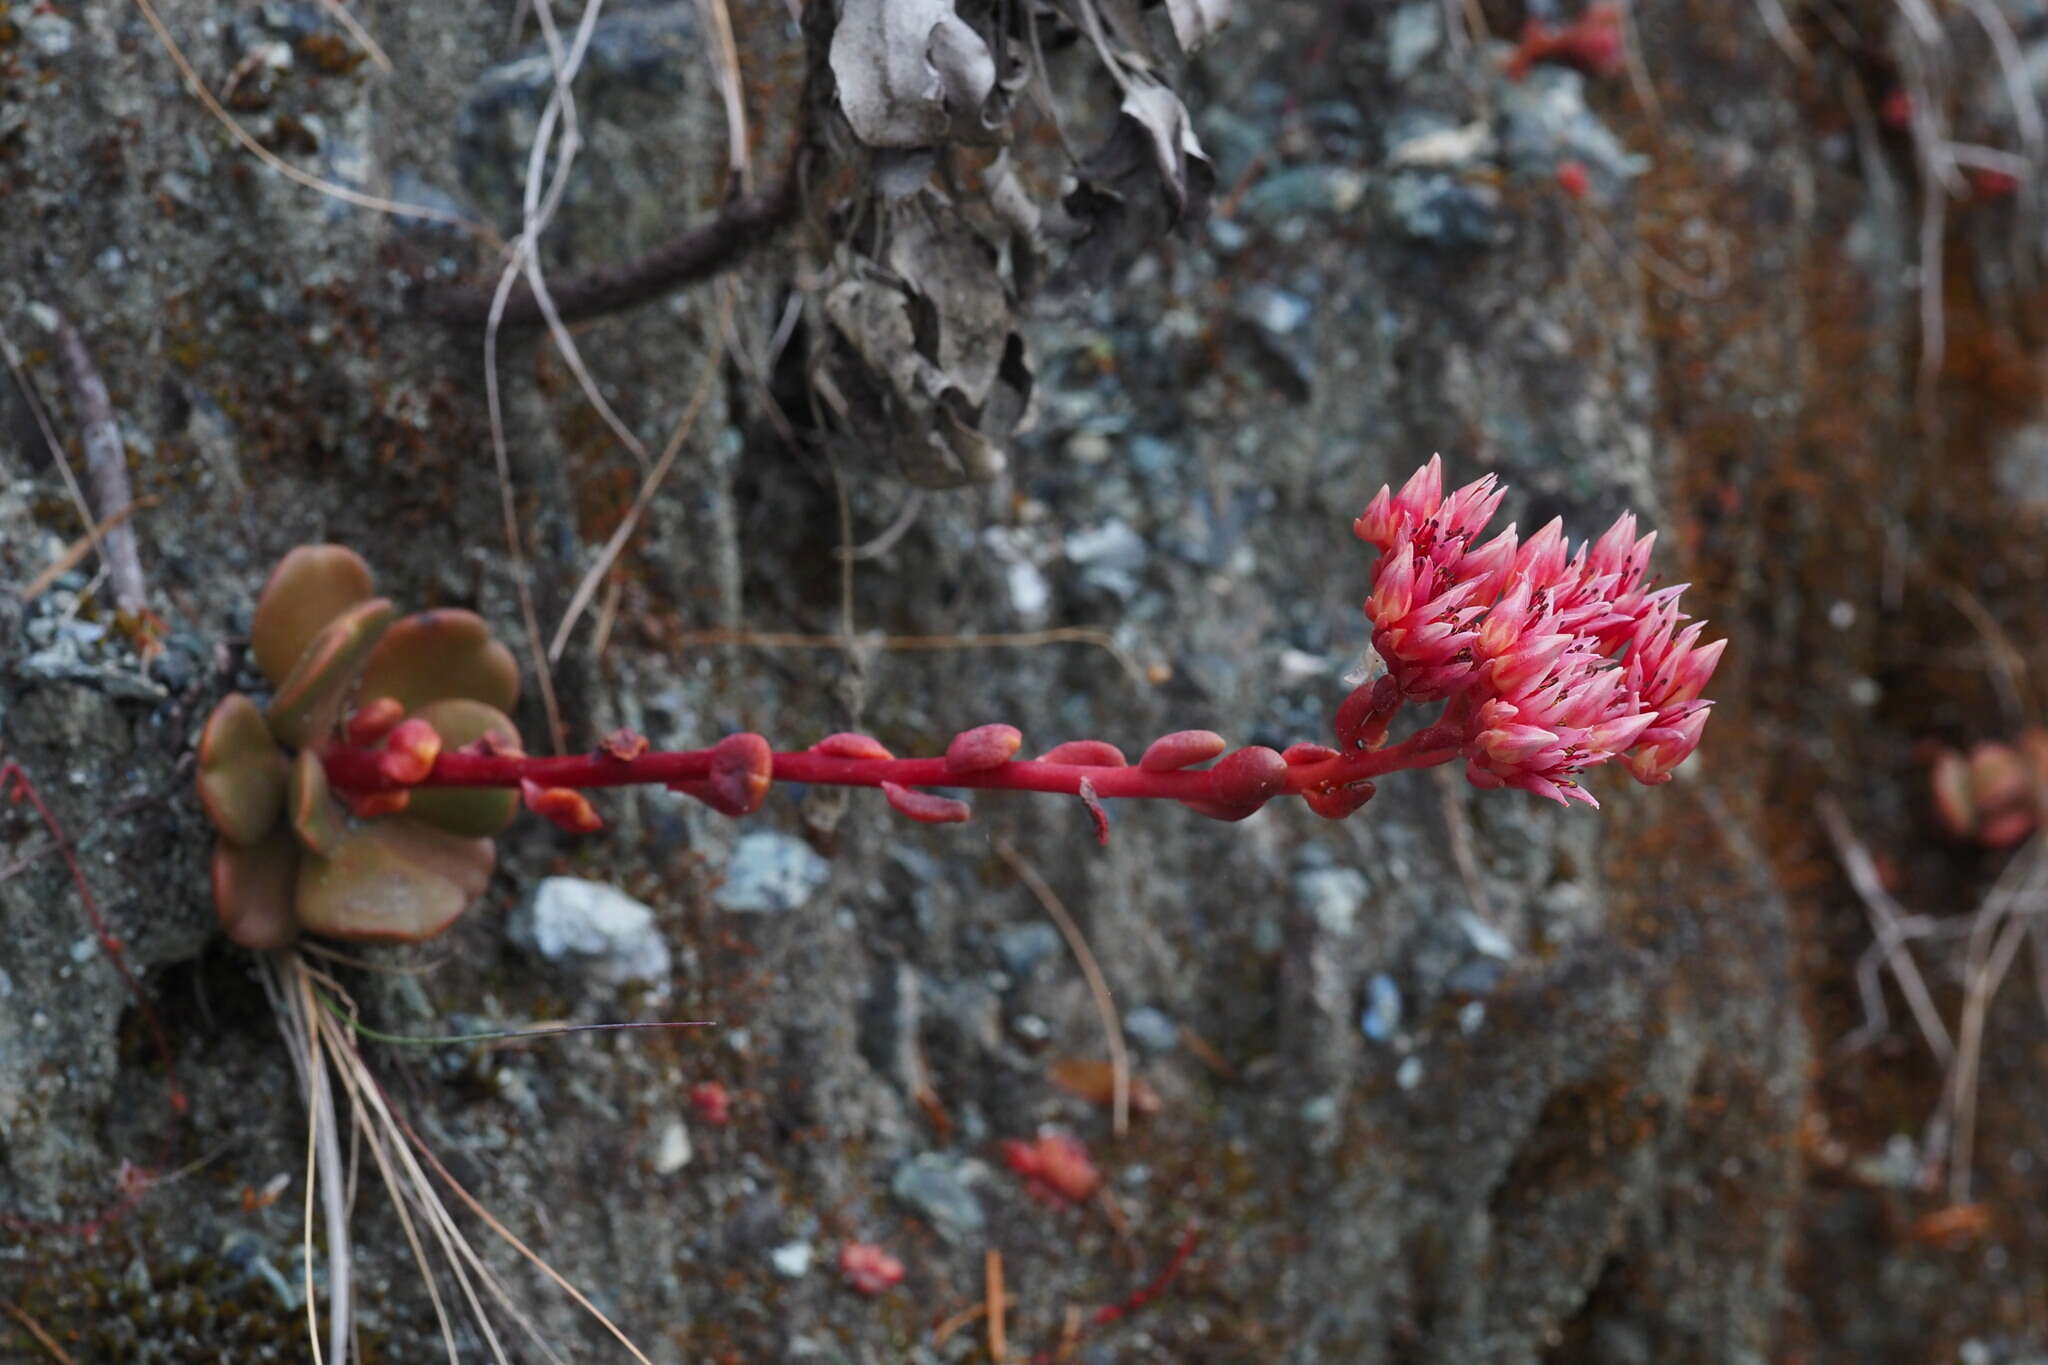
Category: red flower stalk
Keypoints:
(1550, 660)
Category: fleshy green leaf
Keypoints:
(475, 811)
(448, 652)
(308, 589)
(393, 880)
(315, 814)
(253, 889)
(308, 703)
(241, 771)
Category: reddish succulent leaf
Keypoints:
(849, 745)
(478, 812)
(1301, 755)
(253, 890)
(315, 815)
(372, 720)
(623, 744)
(395, 880)
(434, 655)
(241, 771)
(982, 748)
(1250, 777)
(1334, 803)
(1094, 1080)
(370, 805)
(1096, 813)
(410, 752)
(308, 703)
(310, 587)
(1086, 753)
(1170, 753)
(924, 807)
(564, 806)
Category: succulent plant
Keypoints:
(294, 856)
(362, 802)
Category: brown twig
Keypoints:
(992, 1280)
(106, 466)
(38, 1331)
(1091, 972)
(742, 225)
(78, 549)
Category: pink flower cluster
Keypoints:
(1553, 661)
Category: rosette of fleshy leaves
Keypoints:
(295, 856)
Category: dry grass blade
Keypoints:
(56, 447)
(1889, 923)
(278, 163)
(106, 465)
(343, 16)
(74, 554)
(992, 1280)
(38, 1331)
(731, 91)
(1091, 972)
(614, 546)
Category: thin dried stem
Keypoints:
(1091, 972)
(36, 1330)
(1886, 918)
(77, 550)
(284, 168)
(992, 1281)
(56, 447)
(106, 465)
(615, 545)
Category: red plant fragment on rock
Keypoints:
(1591, 43)
(869, 1269)
(711, 1103)
(1055, 1166)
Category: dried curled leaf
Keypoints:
(1147, 179)
(241, 771)
(1094, 1080)
(310, 587)
(911, 73)
(927, 363)
(1197, 21)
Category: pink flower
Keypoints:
(1557, 659)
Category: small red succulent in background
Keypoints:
(1991, 795)
(1593, 44)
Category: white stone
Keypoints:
(595, 929)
